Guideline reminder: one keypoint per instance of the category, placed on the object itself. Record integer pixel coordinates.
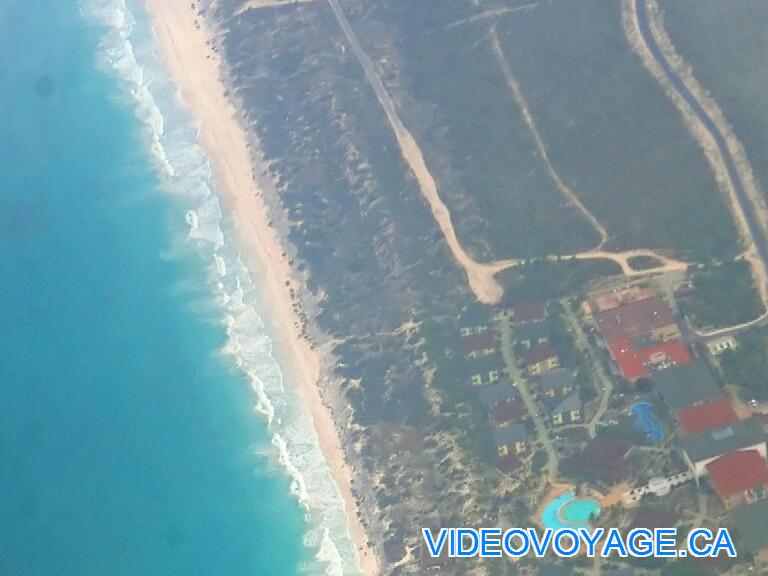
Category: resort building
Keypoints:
(739, 477)
(528, 312)
(639, 362)
(708, 415)
(720, 345)
(656, 486)
(640, 332)
(649, 318)
(528, 335)
(701, 449)
(508, 412)
(473, 329)
(539, 359)
(486, 370)
(686, 385)
(751, 524)
(502, 403)
(479, 345)
(603, 460)
(495, 394)
(511, 439)
(564, 410)
(613, 299)
(555, 383)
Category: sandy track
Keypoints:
(522, 104)
(622, 259)
(481, 276)
(491, 14)
(259, 4)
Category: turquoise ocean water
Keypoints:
(144, 426)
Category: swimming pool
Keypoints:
(567, 511)
(647, 422)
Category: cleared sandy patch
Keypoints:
(259, 4)
(491, 14)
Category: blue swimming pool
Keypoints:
(647, 422)
(567, 511)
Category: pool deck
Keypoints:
(613, 497)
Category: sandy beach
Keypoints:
(196, 69)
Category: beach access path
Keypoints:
(481, 276)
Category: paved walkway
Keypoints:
(604, 383)
(542, 432)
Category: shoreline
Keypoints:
(196, 69)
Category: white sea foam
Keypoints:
(127, 50)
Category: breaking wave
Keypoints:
(127, 51)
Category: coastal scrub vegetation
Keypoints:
(731, 67)
(548, 280)
(747, 364)
(612, 133)
(722, 295)
(455, 100)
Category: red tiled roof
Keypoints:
(674, 352)
(630, 365)
(634, 319)
(481, 341)
(602, 458)
(633, 361)
(529, 312)
(738, 471)
(610, 300)
(536, 354)
(710, 415)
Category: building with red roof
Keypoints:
(664, 354)
(539, 358)
(615, 298)
(649, 318)
(642, 335)
(479, 345)
(709, 415)
(634, 362)
(508, 412)
(603, 460)
(739, 477)
(626, 358)
(528, 312)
